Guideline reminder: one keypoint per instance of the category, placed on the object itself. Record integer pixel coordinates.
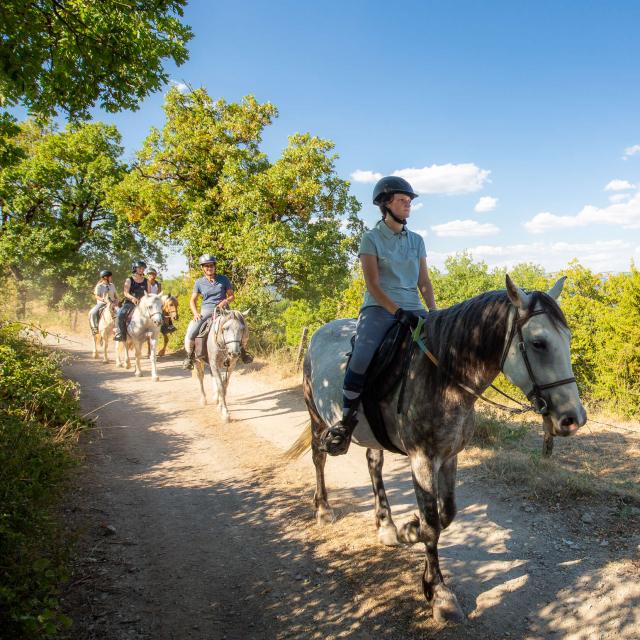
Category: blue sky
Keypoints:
(520, 121)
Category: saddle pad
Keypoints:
(201, 340)
(383, 376)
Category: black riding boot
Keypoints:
(121, 328)
(336, 440)
(187, 363)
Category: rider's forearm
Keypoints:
(381, 297)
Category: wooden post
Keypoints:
(547, 445)
(301, 347)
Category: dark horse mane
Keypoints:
(468, 338)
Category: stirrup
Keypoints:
(187, 363)
(336, 439)
(94, 331)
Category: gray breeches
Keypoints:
(95, 313)
(373, 324)
(191, 335)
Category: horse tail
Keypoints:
(301, 445)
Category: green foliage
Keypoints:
(57, 229)
(300, 314)
(38, 417)
(204, 182)
(72, 54)
(617, 359)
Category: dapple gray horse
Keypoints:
(144, 325)
(228, 333)
(524, 335)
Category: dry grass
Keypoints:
(599, 462)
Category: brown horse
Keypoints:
(524, 335)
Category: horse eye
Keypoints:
(541, 345)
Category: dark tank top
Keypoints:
(138, 289)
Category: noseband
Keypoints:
(222, 342)
(534, 396)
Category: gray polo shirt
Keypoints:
(398, 264)
(212, 292)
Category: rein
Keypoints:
(539, 404)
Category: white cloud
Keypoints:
(619, 197)
(619, 185)
(422, 232)
(446, 179)
(622, 214)
(611, 255)
(464, 228)
(631, 151)
(360, 175)
(485, 204)
(418, 205)
(180, 86)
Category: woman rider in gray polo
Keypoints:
(394, 265)
(217, 292)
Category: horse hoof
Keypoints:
(120, 365)
(203, 402)
(446, 608)
(138, 374)
(410, 531)
(388, 536)
(325, 517)
(155, 378)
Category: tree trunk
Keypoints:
(21, 291)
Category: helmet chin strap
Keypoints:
(398, 220)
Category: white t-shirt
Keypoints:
(104, 291)
(153, 288)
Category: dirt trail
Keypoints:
(193, 529)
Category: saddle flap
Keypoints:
(386, 368)
(201, 339)
(385, 372)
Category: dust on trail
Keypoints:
(192, 529)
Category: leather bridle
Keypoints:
(539, 404)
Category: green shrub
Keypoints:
(38, 419)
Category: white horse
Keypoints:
(228, 334)
(105, 330)
(144, 324)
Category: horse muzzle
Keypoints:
(567, 423)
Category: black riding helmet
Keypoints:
(207, 258)
(138, 263)
(390, 185)
(105, 273)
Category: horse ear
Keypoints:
(519, 298)
(556, 290)
(169, 295)
(246, 313)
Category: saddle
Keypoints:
(105, 309)
(387, 371)
(201, 339)
(129, 314)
